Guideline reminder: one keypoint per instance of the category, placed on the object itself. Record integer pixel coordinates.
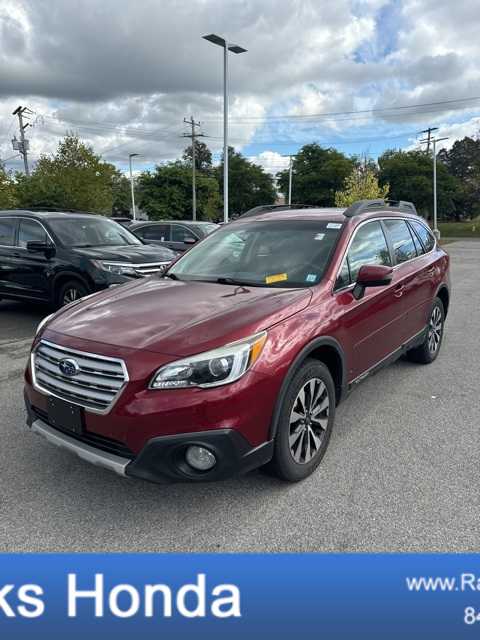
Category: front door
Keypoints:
(33, 267)
(370, 327)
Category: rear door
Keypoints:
(428, 270)
(33, 268)
(180, 236)
(409, 282)
(9, 264)
(370, 326)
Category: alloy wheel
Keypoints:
(435, 330)
(309, 420)
(71, 294)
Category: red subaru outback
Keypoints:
(238, 355)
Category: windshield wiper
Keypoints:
(172, 276)
(240, 283)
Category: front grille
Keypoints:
(95, 385)
(148, 268)
(93, 439)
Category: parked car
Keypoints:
(239, 354)
(125, 222)
(178, 235)
(59, 257)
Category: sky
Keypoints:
(362, 76)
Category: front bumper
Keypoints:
(162, 459)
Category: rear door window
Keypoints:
(424, 234)
(402, 241)
(31, 231)
(179, 233)
(8, 227)
(160, 232)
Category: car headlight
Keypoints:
(212, 368)
(118, 268)
(42, 323)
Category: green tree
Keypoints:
(166, 192)
(317, 175)
(409, 174)
(203, 157)
(74, 178)
(249, 184)
(361, 184)
(122, 197)
(8, 196)
(463, 162)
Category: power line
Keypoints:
(353, 112)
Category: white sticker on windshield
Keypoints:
(334, 225)
(319, 236)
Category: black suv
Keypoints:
(58, 257)
(179, 235)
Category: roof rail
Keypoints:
(263, 208)
(366, 205)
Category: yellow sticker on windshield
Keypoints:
(278, 277)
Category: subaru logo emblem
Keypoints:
(69, 367)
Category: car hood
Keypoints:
(129, 253)
(176, 318)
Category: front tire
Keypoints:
(428, 351)
(70, 291)
(305, 423)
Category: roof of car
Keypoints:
(360, 210)
(42, 215)
(199, 222)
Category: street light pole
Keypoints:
(290, 177)
(225, 133)
(235, 48)
(132, 190)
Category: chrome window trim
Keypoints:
(17, 246)
(394, 267)
(39, 388)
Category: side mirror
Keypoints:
(371, 275)
(40, 247)
(189, 240)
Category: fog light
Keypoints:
(200, 458)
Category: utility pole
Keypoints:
(290, 177)
(429, 135)
(194, 135)
(132, 185)
(23, 145)
(434, 141)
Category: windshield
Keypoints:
(92, 232)
(281, 253)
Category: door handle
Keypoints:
(398, 291)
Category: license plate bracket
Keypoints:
(65, 415)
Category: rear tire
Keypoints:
(428, 351)
(305, 423)
(70, 291)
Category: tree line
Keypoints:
(76, 178)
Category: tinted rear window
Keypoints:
(7, 231)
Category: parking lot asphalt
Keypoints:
(401, 474)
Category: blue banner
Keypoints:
(239, 596)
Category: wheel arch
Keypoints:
(65, 276)
(444, 294)
(326, 350)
